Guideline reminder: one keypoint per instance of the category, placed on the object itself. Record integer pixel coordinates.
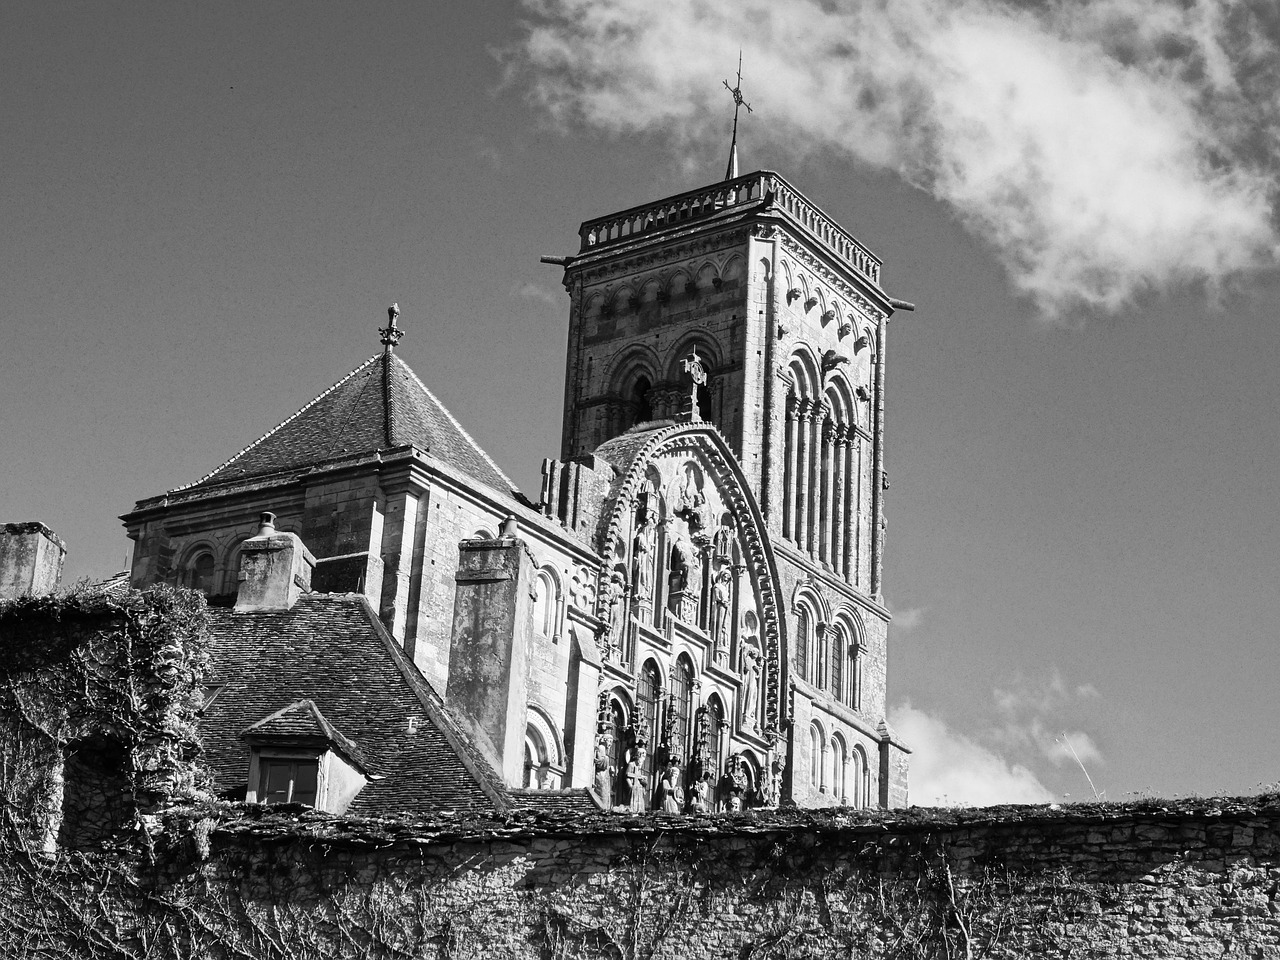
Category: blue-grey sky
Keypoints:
(207, 208)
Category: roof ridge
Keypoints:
(454, 420)
(279, 426)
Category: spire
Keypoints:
(391, 334)
(731, 172)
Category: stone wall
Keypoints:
(1156, 879)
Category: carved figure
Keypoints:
(617, 611)
(722, 602)
(604, 775)
(700, 801)
(749, 670)
(635, 780)
(672, 792)
(645, 542)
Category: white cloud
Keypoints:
(1037, 715)
(1102, 147)
(538, 294)
(952, 769)
(907, 620)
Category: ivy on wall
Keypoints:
(99, 697)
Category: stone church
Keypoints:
(688, 617)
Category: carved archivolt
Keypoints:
(707, 466)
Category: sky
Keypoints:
(207, 208)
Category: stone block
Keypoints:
(31, 557)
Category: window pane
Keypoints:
(304, 782)
(277, 777)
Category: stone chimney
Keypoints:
(31, 558)
(488, 653)
(275, 569)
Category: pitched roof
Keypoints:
(330, 649)
(380, 405)
(304, 721)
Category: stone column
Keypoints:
(828, 491)
(813, 499)
(789, 467)
(801, 524)
(840, 486)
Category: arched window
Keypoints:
(545, 605)
(200, 574)
(618, 728)
(815, 756)
(821, 659)
(681, 709)
(648, 689)
(861, 777)
(854, 685)
(804, 629)
(839, 759)
(535, 758)
(715, 735)
(641, 405)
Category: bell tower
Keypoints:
(785, 309)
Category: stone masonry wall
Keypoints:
(1156, 879)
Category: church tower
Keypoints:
(785, 310)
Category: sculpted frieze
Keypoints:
(803, 255)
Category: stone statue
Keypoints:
(635, 780)
(617, 612)
(672, 792)
(645, 541)
(749, 670)
(700, 802)
(721, 604)
(604, 773)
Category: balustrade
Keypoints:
(752, 188)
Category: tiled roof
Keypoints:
(304, 721)
(572, 800)
(331, 649)
(380, 405)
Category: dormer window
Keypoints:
(288, 780)
(296, 756)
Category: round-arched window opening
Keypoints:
(641, 407)
(200, 576)
(704, 402)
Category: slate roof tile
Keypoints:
(380, 405)
(331, 649)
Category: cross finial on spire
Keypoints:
(732, 171)
(391, 334)
(698, 374)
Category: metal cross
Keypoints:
(736, 90)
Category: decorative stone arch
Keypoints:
(705, 443)
(231, 564)
(734, 268)
(707, 346)
(804, 368)
(548, 606)
(620, 297)
(544, 750)
(861, 776)
(677, 284)
(594, 304)
(650, 289)
(788, 277)
(193, 572)
(839, 397)
(706, 275)
(713, 360)
(840, 755)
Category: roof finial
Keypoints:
(732, 171)
(692, 365)
(391, 334)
